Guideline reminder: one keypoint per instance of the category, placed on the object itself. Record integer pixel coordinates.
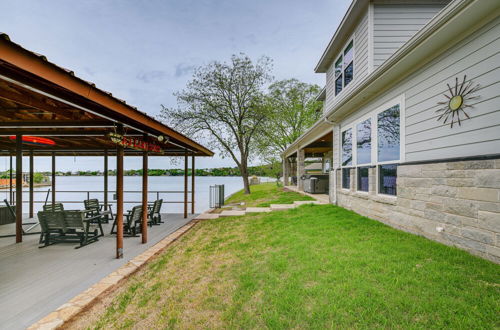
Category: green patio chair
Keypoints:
(67, 226)
(154, 214)
(131, 222)
(58, 207)
(98, 209)
(76, 223)
(52, 225)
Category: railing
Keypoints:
(92, 194)
(216, 196)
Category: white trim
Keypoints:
(377, 187)
(357, 179)
(359, 121)
(341, 160)
(354, 65)
(371, 26)
(399, 100)
(373, 116)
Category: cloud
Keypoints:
(183, 69)
(149, 76)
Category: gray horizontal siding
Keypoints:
(426, 138)
(360, 36)
(395, 24)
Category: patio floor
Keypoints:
(34, 282)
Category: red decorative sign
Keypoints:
(35, 140)
(134, 143)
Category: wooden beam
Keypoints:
(19, 189)
(53, 180)
(74, 123)
(193, 174)
(31, 193)
(119, 199)
(10, 180)
(28, 100)
(185, 185)
(105, 179)
(144, 223)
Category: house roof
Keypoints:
(29, 82)
(344, 30)
(452, 24)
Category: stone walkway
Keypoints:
(234, 213)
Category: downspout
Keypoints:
(333, 197)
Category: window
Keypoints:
(348, 64)
(326, 164)
(363, 179)
(346, 178)
(364, 142)
(387, 179)
(347, 147)
(388, 131)
(338, 75)
(344, 68)
(375, 140)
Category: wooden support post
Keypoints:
(19, 188)
(105, 179)
(185, 185)
(53, 179)
(193, 173)
(31, 184)
(10, 181)
(144, 223)
(119, 198)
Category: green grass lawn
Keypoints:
(266, 194)
(316, 266)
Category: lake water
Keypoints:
(75, 188)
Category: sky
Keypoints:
(144, 51)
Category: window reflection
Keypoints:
(346, 178)
(388, 134)
(347, 147)
(363, 178)
(388, 175)
(364, 141)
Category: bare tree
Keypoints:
(225, 100)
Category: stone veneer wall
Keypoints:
(462, 198)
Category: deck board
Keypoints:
(34, 282)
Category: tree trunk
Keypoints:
(244, 176)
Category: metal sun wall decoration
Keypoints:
(457, 102)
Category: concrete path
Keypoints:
(248, 210)
(34, 282)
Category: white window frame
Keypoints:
(373, 115)
(357, 179)
(342, 178)
(354, 65)
(355, 125)
(353, 160)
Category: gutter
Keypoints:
(479, 13)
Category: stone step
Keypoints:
(207, 216)
(305, 202)
(258, 209)
(232, 213)
(281, 207)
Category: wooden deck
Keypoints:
(34, 282)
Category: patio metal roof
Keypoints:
(40, 98)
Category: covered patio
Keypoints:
(45, 110)
(37, 281)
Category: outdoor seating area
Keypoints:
(25, 269)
